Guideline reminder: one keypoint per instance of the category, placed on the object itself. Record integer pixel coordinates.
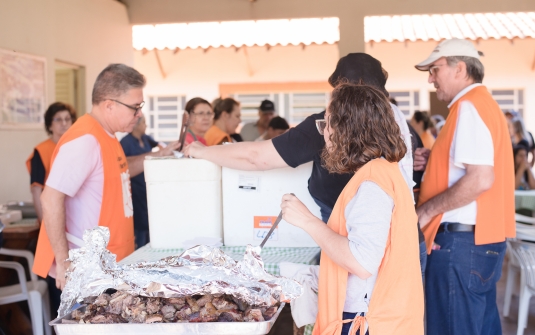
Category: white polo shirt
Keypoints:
(472, 144)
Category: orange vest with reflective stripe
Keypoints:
(495, 218)
(116, 212)
(45, 150)
(397, 302)
(215, 136)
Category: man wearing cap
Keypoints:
(466, 204)
(252, 131)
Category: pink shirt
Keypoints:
(191, 139)
(78, 172)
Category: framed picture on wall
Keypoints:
(22, 89)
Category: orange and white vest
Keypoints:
(397, 302)
(495, 218)
(116, 195)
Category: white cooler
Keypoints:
(251, 203)
(184, 201)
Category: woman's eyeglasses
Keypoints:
(60, 120)
(321, 124)
(203, 114)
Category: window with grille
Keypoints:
(294, 107)
(510, 99)
(164, 117)
(408, 101)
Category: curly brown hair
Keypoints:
(362, 128)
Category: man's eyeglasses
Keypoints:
(203, 114)
(136, 109)
(321, 124)
(433, 69)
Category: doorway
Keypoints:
(70, 85)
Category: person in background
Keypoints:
(200, 120)
(438, 122)
(466, 206)
(421, 122)
(227, 117)
(511, 116)
(524, 179)
(277, 126)
(134, 144)
(59, 117)
(253, 130)
(367, 246)
(518, 133)
(89, 180)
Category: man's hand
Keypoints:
(61, 270)
(421, 155)
(423, 217)
(295, 212)
(194, 150)
(168, 150)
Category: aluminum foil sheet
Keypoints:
(198, 270)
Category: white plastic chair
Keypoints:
(525, 254)
(34, 291)
(513, 270)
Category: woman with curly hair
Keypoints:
(370, 272)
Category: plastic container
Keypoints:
(251, 203)
(184, 201)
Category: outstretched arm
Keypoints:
(252, 156)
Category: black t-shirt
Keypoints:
(37, 174)
(303, 144)
(416, 143)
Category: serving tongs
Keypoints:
(279, 218)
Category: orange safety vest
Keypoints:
(495, 218)
(215, 136)
(116, 195)
(397, 302)
(45, 150)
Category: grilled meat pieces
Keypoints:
(122, 307)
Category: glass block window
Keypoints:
(509, 99)
(164, 117)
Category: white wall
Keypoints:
(90, 33)
(196, 73)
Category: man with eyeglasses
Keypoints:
(466, 205)
(89, 182)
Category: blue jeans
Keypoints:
(347, 326)
(423, 260)
(142, 238)
(460, 285)
(324, 210)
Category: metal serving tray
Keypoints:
(201, 328)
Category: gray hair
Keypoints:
(114, 81)
(474, 67)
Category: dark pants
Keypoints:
(347, 326)
(460, 286)
(324, 210)
(142, 238)
(55, 296)
(423, 260)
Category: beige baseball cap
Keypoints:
(449, 48)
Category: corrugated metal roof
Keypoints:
(444, 26)
(236, 33)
